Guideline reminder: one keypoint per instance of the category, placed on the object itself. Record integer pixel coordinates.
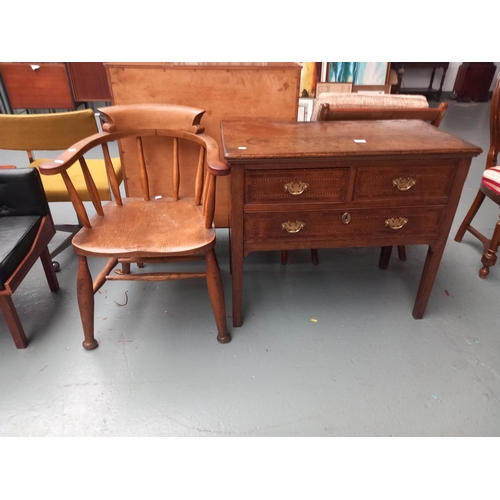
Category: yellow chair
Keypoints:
(57, 132)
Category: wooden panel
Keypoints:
(37, 85)
(89, 81)
(227, 91)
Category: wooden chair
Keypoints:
(26, 228)
(150, 229)
(489, 188)
(330, 112)
(57, 132)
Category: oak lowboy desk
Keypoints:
(342, 184)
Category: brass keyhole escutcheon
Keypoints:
(404, 184)
(396, 222)
(292, 226)
(346, 218)
(296, 188)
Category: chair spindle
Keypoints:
(142, 170)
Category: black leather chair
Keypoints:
(26, 227)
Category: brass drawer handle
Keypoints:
(404, 184)
(292, 226)
(396, 222)
(296, 187)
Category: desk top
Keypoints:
(245, 141)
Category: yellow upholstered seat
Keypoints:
(57, 132)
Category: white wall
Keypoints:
(421, 77)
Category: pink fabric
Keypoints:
(491, 179)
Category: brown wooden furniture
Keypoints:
(486, 189)
(473, 81)
(37, 85)
(149, 228)
(383, 183)
(26, 229)
(56, 132)
(227, 91)
(89, 81)
(332, 113)
(400, 68)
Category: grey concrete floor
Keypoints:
(365, 367)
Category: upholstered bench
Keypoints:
(355, 100)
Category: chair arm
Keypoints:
(74, 153)
(216, 166)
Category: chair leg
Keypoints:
(49, 270)
(85, 294)
(314, 256)
(284, 256)
(216, 293)
(402, 253)
(13, 321)
(490, 255)
(476, 204)
(385, 256)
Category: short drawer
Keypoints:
(321, 225)
(417, 183)
(295, 186)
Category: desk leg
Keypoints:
(429, 273)
(237, 282)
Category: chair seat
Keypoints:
(55, 189)
(491, 179)
(141, 228)
(17, 234)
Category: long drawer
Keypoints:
(319, 225)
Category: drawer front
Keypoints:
(417, 183)
(321, 225)
(296, 186)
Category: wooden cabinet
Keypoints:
(227, 91)
(37, 85)
(473, 81)
(343, 184)
(89, 81)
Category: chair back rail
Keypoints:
(432, 115)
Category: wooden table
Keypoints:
(342, 184)
(429, 91)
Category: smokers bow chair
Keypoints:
(489, 188)
(26, 228)
(151, 228)
(57, 132)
